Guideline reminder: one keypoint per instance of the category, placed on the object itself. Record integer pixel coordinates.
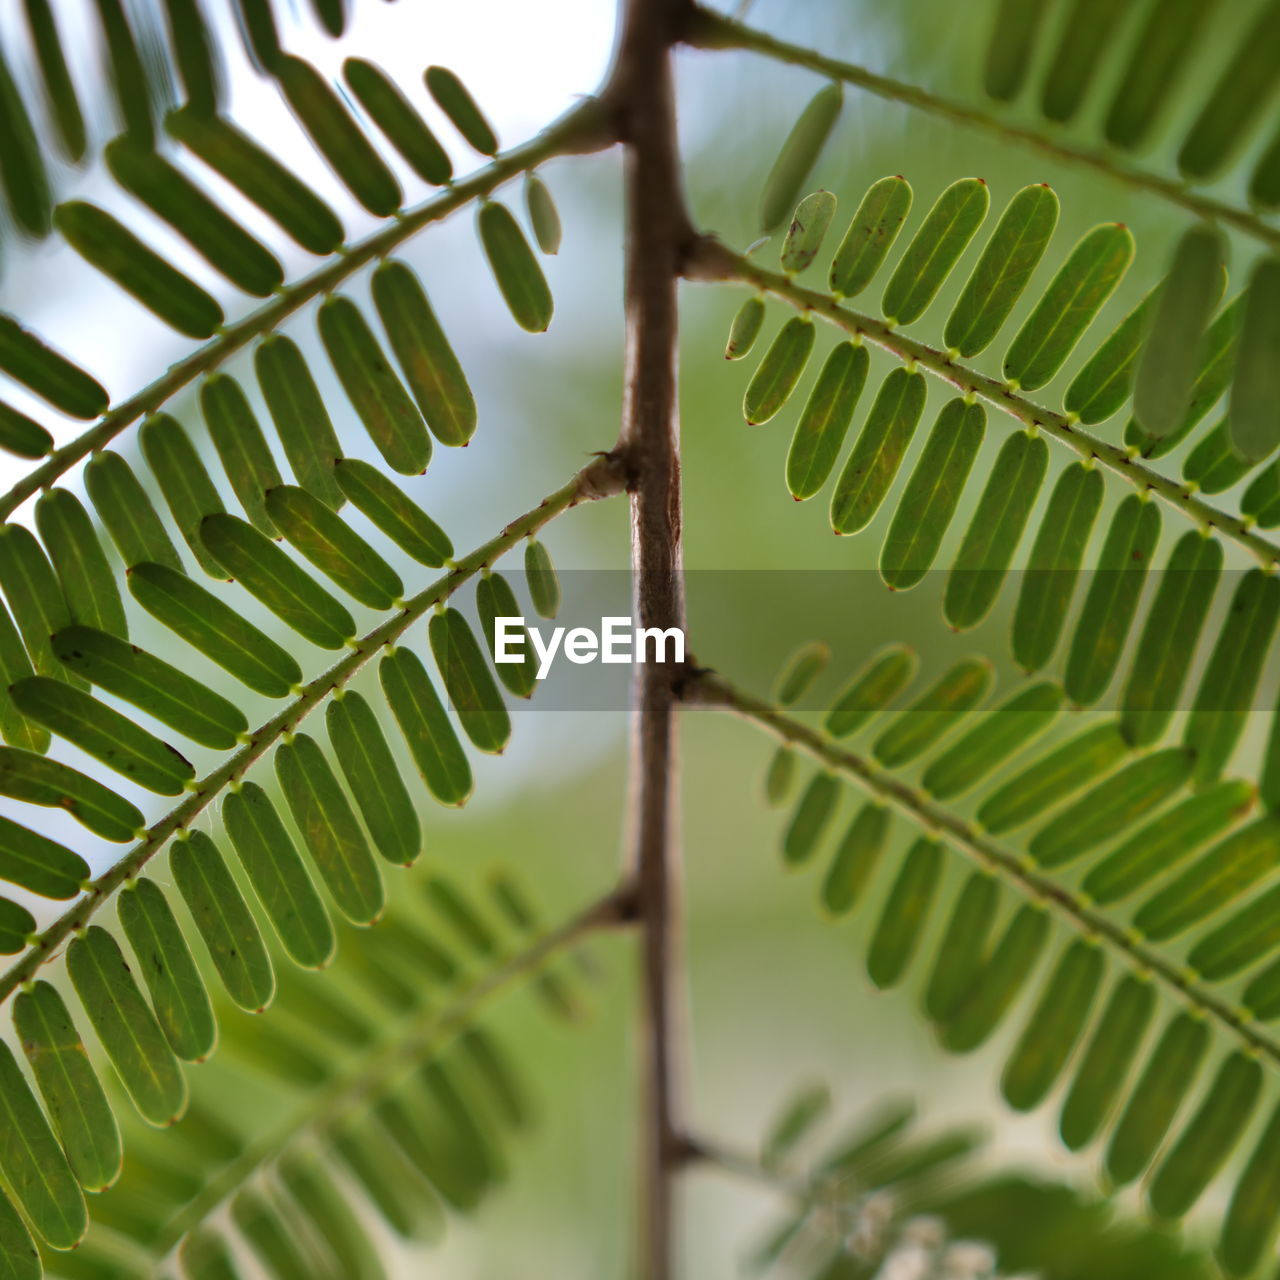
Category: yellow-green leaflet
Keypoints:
(808, 229)
(393, 512)
(1264, 187)
(806, 1108)
(102, 732)
(935, 713)
(126, 512)
(204, 1255)
(934, 249)
(384, 1175)
(870, 236)
(1003, 731)
(462, 916)
(1068, 307)
(543, 217)
(396, 116)
(178, 996)
(88, 584)
(22, 435)
(809, 821)
(1105, 1068)
(279, 878)
(995, 530)
(1262, 995)
(495, 599)
(825, 421)
(856, 859)
(906, 912)
(541, 578)
(242, 448)
(745, 329)
(964, 946)
(1082, 45)
(214, 235)
(33, 592)
(1112, 600)
(929, 501)
(224, 921)
(468, 681)
(60, 91)
(426, 728)
(35, 1170)
(1246, 936)
(453, 99)
(36, 779)
(777, 374)
(270, 1236)
(1170, 637)
(118, 253)
(798, 155)
(16, 729)
(389, 415)
(1261, 499)
(1056, 775)
(1011, 46)
(126, 1027)
(26, 358)
(430, 367)
(1054, 1027)
(877, 453)
(519, 277)
(26, 180)
(496, 1072)
(373, 778)
(17, 924)
(70, 1088)
(217, 630)
(37, 863)
(1105, 380)
(1250, 1228)
(779, 777)
(885, 676)
(1156, 1098)
(329, 1213)
(1254, 416)
(267, 573)
(1011, 255)
(188, 490)
(284, 198)
(1214, 466)
(804, 666)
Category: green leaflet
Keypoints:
(301, 419)
(1003, 271)
(935, 713)
(1112, 600)
(856, 859)
(199, 63)
(878, 451)
(929, 500)
(870, 236)
(453, 99)
(126, 512)
(257, 174)
(1230, 681)
(188, 491)
(520, 280)
(38, 780)
(934, 249)
(463, 918)
(279, 877)
(118, 253)
(242, 448)
(995, 530)
(426, 728)
(808, 229)
(1113, 805)
(102, 732)
(775, 379)
(1216, 879)
(1051, 779)
(1264, 186)
(330, 830)
(384, 1175)
(1214, 466)
(1105, 380)
(205, 1255)
(274, 1052)
(1083, 44)
(745, 329)
(468, 681)
(1168, 840)
(33, 592)
(1055, 1026)
(1166, 372)
(88, 584)
(258, 30)
(779, 777)
(17, 730)
(1262, 995)
(37, 863)
(885, 676)
(495, 599)
(963, 947)
(1254, 419)
(216, 629)
(269, 575)
(399, 121)
(224, 921)
(127, 70)
(69, 1086)
(1011, 46)
(35, 1170)
(1049, 580)
(22, 435)
(389, 415)
(543, 217)
(804, 666)
(393, 512)
(126, 1027)
(25, 178)
(807, 1108)
(541, 578)
(1261, 500)
(825, 421)
(809, 821)
(1156, 1098)
(59, 88)
(328, 1211)
(373, 778)
(1251, 1222)
(1003, 731)
(17, 924)
(270, 1236)
(905, 914)
(26, 358)
(1170, 637)
(498, 1080)
(214, 235)
(18, 1253)
(178, 996)
(798, 155)
(1245, 937)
